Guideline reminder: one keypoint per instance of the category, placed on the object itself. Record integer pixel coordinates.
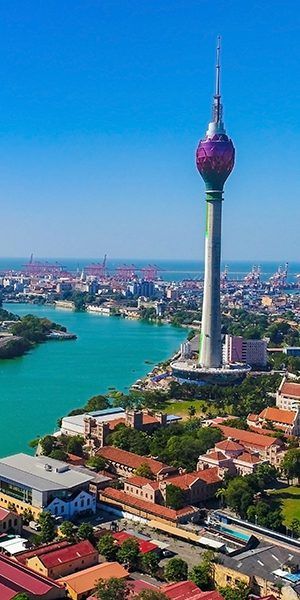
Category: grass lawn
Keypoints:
(180, 407)
(290, 502)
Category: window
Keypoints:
(88, 502)
(4, 525)
(15, 522)
(228, 578)
(82, 503)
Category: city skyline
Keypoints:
(100, 114)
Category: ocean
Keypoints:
(170, 270)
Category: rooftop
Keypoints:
(15, 578)
(86, 580)
(141, 481)
(248, 437)
(292, 390)
(143, 505)
(130, 459)
(265, 562)
(186, 590)
(229, 445)
(41, 472)
(287, 417)
(56, 557)
(144, 545)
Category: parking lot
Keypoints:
(185, 550)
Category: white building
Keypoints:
(288, 395)
(43, 483)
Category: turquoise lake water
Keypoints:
(53, 378)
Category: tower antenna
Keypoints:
(217, 106)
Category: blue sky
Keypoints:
(102, 103)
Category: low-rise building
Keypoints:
(266, 570)
(39, 482)
(10, 522)
(269, 448)
(286, 420)
(230, 457)
(16, 578)
(187, 590)
(120, 502)
(197, 486)
(57, 563)
(124, 463)
(80, 585)
(288, 395)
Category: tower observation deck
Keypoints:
(215, 157)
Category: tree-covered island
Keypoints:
(20, 334)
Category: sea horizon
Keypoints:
(168, 269)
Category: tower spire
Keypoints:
(217, 105)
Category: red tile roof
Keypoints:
(15, 578)
(141, 481)
(23, 556)
(187, 479)
(248, 457)
(287, 417)
(252, 417)
(144, 545)
(149, 419)
(249, 438)
(186, 590)
(138, 585)
(213, 455)
(292, 390)
(228, 445)
(209, 475)
(63, 555)
(4, 513)
(155, 509)
(129, 459)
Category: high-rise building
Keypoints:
(215, 161)
(237, 349)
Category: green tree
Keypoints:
(295, 527)
(34, 443)
(130, 439)
(175, 497)
(291, 463)
(150, 563)
(144, 471)
(68, 530)
(58, 454)
(239, 495)
(47, 443)
(86, 532)
(98, 402)
(113, 589)
(191, 411)
(128, 553)
(48, 527)
(176, 569)
(107, 547)
(202, 574)
(75, 445)
(96, 462)
(21, 596)
(27, 516)
(239, 592)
